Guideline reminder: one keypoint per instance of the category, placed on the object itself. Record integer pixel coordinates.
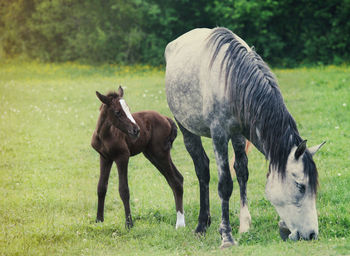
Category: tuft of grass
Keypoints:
(49, 172)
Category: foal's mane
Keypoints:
(112, 95)
(257, 103)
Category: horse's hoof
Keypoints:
(227, 241)
(201, 230)
(128, 222)
(203, 225)
(227, 244)
(180, 226)
(99, 220)
(244, 229)
(128, 225)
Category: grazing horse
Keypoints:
(120, 135)
(218, 87)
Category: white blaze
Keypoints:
(126, 110)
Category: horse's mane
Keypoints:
(111, 94)
(257, 103)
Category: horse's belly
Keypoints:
(195, 124)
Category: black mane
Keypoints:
(257, 103)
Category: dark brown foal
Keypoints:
(120, 135)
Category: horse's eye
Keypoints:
(301, 187)
(118, 113)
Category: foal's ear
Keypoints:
(120, 91)
(300, 150)
(314, 149)
(104, 99)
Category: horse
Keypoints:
(219, 87)
(120, 135)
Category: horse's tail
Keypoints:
(172, 135)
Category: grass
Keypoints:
(49, 172)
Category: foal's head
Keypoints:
(118, 113)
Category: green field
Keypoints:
(49, 172)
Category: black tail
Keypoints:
(172, 136)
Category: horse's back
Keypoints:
(187, 42)
(153, 122)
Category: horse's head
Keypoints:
(294, 194)
(118, 113)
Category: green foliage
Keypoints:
(284, 32)
(49, 172)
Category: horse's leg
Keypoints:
(225, 186)
(122, 165)
(200, 159)
(241, 168)
(105, 168)
(162, 161)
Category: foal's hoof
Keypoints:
(99, 220)
(180, 220)
(128, 223)
(227, 241)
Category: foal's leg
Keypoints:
(195, 148)
(105, 168)
(122, 165)
(241, 168)
(162, 161)
(225, 186)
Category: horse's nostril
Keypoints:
(312, 235)
(136, 131)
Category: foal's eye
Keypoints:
(118, 113)
(301, 187)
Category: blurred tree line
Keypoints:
(284, 32)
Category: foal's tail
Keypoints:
(172, 136)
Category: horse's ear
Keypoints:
(300, 150)
(314, 149)
(120, 91)
(104, 99)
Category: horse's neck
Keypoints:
(262, 141)
(102, 124)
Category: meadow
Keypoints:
(49, 172)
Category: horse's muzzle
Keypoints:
(135, 132)
(285, 233)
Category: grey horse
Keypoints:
(218, 87)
